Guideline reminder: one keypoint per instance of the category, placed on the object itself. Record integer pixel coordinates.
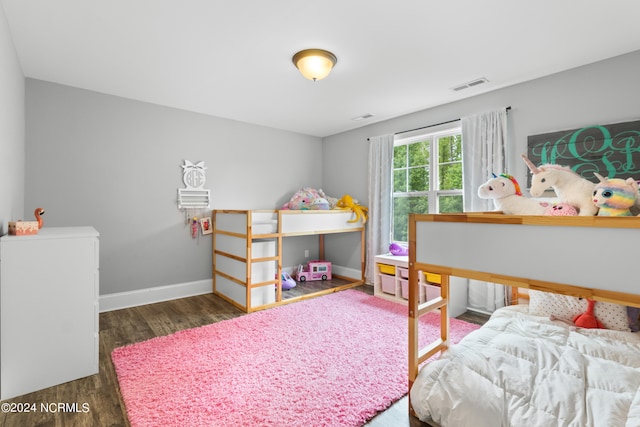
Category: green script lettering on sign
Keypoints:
(613, 150)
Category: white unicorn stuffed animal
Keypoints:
(507, 197)
(570, 187)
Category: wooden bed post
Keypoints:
(279, 253)
(248, 256)
(444, 310)
(414, 293)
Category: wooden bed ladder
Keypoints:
(418, 355)
(417, 310)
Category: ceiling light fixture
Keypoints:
(314, 64)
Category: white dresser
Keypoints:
(48, 308)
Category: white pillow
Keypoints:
(612, 316)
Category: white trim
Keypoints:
(120, 300)
(352, 273)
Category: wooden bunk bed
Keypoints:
(585, 257)
(247, 252)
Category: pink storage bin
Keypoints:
(431, 291)
(388, 284)
(404, 273)
(404, 286)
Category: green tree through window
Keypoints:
(427, 177)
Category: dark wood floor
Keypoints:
(100, 395)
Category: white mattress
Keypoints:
(523, 370)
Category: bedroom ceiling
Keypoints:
(232, 59)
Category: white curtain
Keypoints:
(379, 222)
(484, 146)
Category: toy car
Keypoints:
(315, 270)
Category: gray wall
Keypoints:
(600, 93)
(115, 164)
(12, 130)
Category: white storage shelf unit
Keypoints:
(391, 282)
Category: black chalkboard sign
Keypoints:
(613, 150)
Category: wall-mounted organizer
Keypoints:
(194, 195)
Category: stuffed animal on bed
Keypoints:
(306, 199)
(615, 196)
(332, 200)
(349, 203)
(561, 209)
(570, 187)
(633, 314)
(507, 197)
(588, 319)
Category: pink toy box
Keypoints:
(314, 270)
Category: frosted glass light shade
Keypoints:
(314, 64)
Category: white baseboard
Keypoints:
(120, 300)
(352, 273)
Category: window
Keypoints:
(427, 177)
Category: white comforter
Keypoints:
(523, 370)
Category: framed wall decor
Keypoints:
(611, 150)
(205, 225)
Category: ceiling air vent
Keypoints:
(362, 117)
(473, 83)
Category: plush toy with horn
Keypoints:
(507, 197)
(615, 196)
(570, 187)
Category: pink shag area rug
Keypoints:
(335, 360)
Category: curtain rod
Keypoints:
(434, 125)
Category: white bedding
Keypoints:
(523, 370)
